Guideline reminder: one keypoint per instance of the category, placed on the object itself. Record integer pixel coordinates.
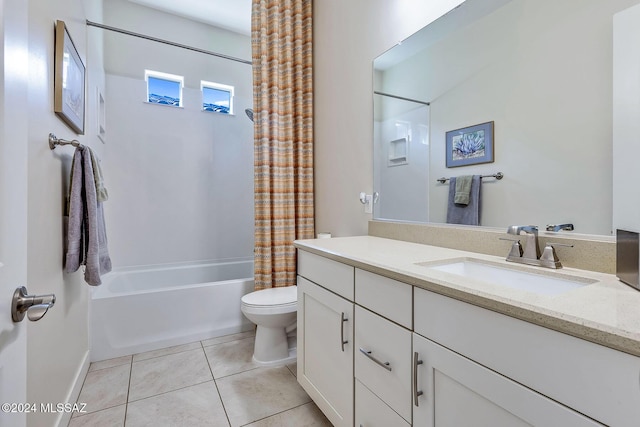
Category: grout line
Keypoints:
(215, 383)
(169, 391)
(108, 367)
(126, 403)
(277, 413)
(163, 355)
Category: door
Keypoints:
(456, 391)
(13, 205)
(325, 350)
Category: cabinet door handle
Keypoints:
(385, 365)
(416, 393)
(342, 340)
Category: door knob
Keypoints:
(35, 306)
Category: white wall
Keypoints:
(58, 344)
(180, 180)
(348, 35)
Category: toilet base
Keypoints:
(292, 357)
(272, 347)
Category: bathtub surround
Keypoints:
(283, 128)
(180, 179)
(86, 233)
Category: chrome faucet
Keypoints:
(559, 227)
(531, 254)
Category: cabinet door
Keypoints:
(325, 350)
(456, 391)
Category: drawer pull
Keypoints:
(342, 340)
(385, 365)
(416, 393)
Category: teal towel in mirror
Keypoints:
(463, 188)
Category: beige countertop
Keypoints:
(606, 312)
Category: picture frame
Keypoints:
(69, 81)
(471, 145)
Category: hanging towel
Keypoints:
(468, 214)
(101, 190)
(463, 188)
(86, 233)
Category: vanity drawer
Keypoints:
(373, 412)
(387, 297)
(329, 274)
(383, 359)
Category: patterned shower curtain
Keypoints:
(281, 40)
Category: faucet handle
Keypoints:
(549, 257)
(516, 248)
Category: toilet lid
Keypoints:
(272, 296)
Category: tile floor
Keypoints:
(205, 383)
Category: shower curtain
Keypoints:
(281, 39)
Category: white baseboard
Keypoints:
(74, 393)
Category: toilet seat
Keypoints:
(271, 300)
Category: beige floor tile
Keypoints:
(167, 373)
(198, 405)
(105, 388)
(231, 357)
(112, 417)
(228, 338)
(109, 363)
(259, 393)
(307, 415)
(166, 351)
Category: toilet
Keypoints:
(274, 311)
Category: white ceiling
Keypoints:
(234, 15)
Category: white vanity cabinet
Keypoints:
(373, 351)
(325, 335)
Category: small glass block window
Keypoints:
(216, 97)
(163, 88)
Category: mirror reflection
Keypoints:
(541, 71)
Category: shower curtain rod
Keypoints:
(155, 39)
(400, 97)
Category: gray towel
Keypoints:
(464, 214)
(86, 233)
(463, 188)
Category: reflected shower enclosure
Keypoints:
(401, 158)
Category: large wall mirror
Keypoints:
(541, 71)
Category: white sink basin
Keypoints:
(526, 280)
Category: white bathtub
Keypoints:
(137, 310)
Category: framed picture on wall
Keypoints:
(470, 146)
(69, 81)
